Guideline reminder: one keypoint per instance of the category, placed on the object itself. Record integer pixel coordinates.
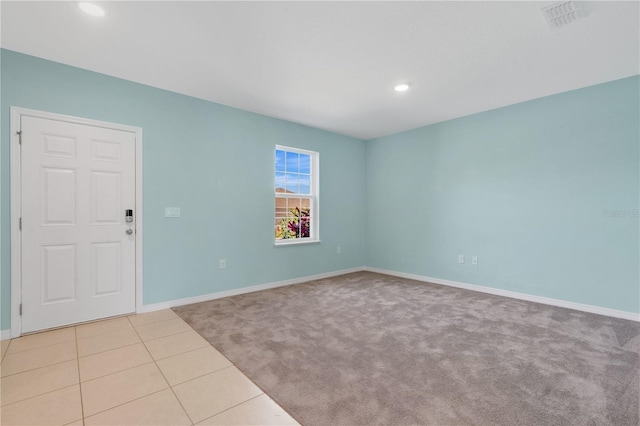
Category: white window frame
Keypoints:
(314, 197)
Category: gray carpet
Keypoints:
(365, 348)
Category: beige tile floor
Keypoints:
(149, 369)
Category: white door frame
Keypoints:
(16, 204)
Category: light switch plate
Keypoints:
(172, 212)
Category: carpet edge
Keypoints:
(599, 310)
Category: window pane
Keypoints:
(293, 162)
(280, 182)
(293, 183)
(297, 223)
(305, 163)
(305, 226)
(305, 184)
(282, 230)
(290, 228)
(281, 207)
(293, 207)
(279, 160)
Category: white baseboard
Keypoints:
(6, 334)
(244, 290)
(514, 295)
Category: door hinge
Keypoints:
(20, 224)
(21, 309)
(19, 132)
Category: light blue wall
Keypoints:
(525, 189)
(214, 162)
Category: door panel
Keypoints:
(105, 151)
(105, 198)
(78, 264)
(105, 272)
(58, 196)
(58, 146)
(58, 273)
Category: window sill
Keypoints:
(296, 243)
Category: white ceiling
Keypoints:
(332, 65)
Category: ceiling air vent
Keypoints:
(560, 14)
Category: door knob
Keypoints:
(129, 231)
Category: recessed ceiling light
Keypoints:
(91, 9)
(401, 87)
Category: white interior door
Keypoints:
(78, 250)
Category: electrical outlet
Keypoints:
(223, 263)
(474, 260)
(339, 250)
(461, 258)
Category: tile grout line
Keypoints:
(117, 372)
(152, 322)
(125, 403)
(165, 379)
(172, 335)
(205, 374)
(102, 333)
(126, 346)
(73, 325)
(79, 377)
(134, 329)
(98, 321)
(37, 347)
(4, 353)
(41, 394)
(158, 338)
(227, 409)
(186, 352)
(42, 366)
(107, 350)
(200, 376)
